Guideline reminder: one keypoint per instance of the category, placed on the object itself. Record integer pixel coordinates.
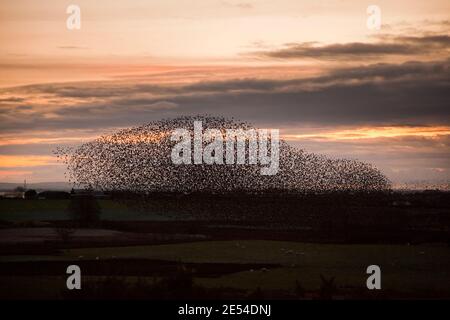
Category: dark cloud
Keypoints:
(11, 99)
(29, 149)
(409, 93)
(386, 46)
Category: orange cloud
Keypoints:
(374, 133)
(26, 140)
(13, 161)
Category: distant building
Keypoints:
(12, 194)
(54, 195)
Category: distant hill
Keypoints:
(60, 186)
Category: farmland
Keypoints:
(311, 249)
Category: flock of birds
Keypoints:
(139, 160)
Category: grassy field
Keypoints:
(408, 268)
(284, 258)
(422, 268)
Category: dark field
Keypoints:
(286, 246)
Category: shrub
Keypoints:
(30, 194)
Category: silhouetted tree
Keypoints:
(30, 194)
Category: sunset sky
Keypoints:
(313, 69)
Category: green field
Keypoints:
(422, 268)
(406, 267)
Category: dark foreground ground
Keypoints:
(202, 246)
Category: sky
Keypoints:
(313, 69)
